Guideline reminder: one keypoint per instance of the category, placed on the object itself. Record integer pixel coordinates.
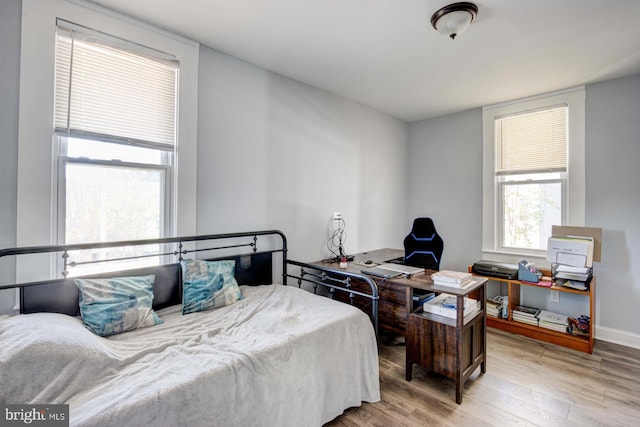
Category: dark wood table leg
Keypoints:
(458, 375)
(483, 302)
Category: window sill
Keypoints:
(515, 256)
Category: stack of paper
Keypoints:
(572, 273)
(497, 307)
(525, 314)
(554, 321)
(492, 308)
(572, 261)
(452, 278)
(571, 277)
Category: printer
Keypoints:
(499, 269)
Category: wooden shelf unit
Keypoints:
(564, 339)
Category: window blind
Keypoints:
(106, 92)
(532, 142)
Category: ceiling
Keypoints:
(385, 54)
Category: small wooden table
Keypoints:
(453, 347)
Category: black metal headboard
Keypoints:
(60, 295)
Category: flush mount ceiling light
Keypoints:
(454, 19)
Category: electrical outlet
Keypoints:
(337, 216)
(554, 296)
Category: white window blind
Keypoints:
(108, 92)
(532, 142)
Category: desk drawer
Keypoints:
(392, 305)
(393, 293)
(387, 291)
(392, 317)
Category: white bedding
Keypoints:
(279, 357)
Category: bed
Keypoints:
(279, 355)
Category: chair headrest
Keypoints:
(423, 227)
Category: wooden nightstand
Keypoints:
(453, 347)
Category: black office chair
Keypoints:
(423, 246)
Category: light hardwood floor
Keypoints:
(527, 383)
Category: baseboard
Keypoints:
(617, 336)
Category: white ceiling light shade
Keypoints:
(454, 19)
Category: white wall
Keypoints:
(446, 155)
(445, 183)
(10, 14)
(613, 202)
(276, 153)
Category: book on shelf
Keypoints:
(524, 314)
(455, 285)
(552, 326)
(553, 321)
(525, 311)
(554, 318)
(452, 278)
(497, 306)
(528, 320)
(422, 298)
(493, 308)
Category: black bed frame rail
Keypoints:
(337, 280)
(331, 279)
(179, 252)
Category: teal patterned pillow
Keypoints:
(118, 304)
(208, 284)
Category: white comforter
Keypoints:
(280, 357)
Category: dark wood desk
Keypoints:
(454, 347)
(396, 294)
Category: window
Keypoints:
(534, 171)
(531, 166)
(37, 219)
(115, 135)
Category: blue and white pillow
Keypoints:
(113, 305)
(208, 284)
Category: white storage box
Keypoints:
(439, 305)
